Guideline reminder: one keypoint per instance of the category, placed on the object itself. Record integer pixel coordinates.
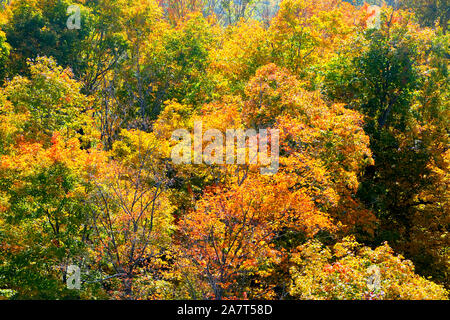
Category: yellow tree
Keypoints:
(305, 33)
(351, 271)
(130, 216)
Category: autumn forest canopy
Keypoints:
(92, 91)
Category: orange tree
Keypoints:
(239, 234)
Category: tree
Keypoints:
(244, 226)
(350, 271)
(130, 215)
(39, 28)
(4, 53)
(430, 12)
(304, 33)
(397, 80)
(41, 218)
(245, 48)
(230, 235)
(331, 134)
(42, 209)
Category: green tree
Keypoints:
(398, 78)
(430, 12)
(39, 28)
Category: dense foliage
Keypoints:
(358, 209)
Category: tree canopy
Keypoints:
(350, 98)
